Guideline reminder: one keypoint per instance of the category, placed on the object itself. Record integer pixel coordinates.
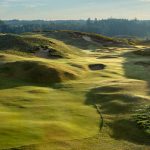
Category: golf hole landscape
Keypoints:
(74, 74)
(69, 98)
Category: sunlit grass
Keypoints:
(62, 115)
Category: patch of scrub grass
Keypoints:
(142, 118)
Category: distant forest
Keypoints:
(109, 27)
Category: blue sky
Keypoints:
(74, 9)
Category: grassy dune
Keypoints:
(60, 104)
(29, 44)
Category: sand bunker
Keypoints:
(97, 66)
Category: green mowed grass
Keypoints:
(36, 113)
(62, 115)
(42, 114)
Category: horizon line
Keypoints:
(19, 19)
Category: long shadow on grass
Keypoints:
(118, 106)
(30, 73)
(137, 66)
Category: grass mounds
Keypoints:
(112, 100)
(37, 45)
(95, 37)
(55, 48)
(117, 105)
(10, 41)
(142, 118)
(66, 38)
(36, 72)
(143, 52)
(85, 40)
(22, 43)
(97, 66)
(38, 114)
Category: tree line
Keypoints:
(108, 27)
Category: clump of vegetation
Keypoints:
(142, 118)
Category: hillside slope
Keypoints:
(96, 99)
(87, 40)
(36, 44)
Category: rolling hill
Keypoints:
(67, 90)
